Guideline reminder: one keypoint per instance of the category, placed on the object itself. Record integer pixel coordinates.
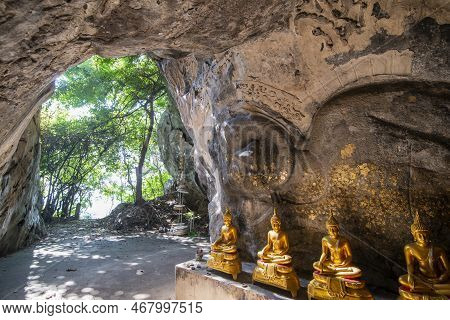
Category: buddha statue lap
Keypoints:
(274, 264)
(335, 275)
(427, 266)
(224, 256)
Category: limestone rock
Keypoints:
(174, 144)
(20, 201)
(362, 133)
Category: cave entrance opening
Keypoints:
(101, 135)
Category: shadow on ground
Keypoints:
(82, 260)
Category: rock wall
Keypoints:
(20, 201)
(174, 141)
(345, 111)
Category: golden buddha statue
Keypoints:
(274, 264)
(224, 256)
(427, 266)
(335, 276)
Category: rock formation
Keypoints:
(174, 141)
(344, 111)
(20, 199)
(335, 105)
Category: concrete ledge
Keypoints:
(195, 281)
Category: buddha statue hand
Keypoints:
(223, 247)
(261, 255)
(443, 278)
(320, 266)
(411, 281)
(229, 249)
(285, 259)
(339, 265)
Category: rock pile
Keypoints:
(151, 215)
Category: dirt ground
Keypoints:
(83, 260)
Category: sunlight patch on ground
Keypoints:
(81, 260)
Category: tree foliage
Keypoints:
(98, 133)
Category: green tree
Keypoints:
(100, 123)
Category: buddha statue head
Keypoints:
(332, 227)
(420, 231)
(227, 218)
(275, 221)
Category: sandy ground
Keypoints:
(81, 260)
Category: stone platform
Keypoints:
(195, 281)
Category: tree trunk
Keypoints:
(48, 212)
(139, 198)
(151, 113)
(77, 211)
(161, 182)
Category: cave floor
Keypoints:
(82, 260)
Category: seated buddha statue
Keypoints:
(224, 256)
(274, 264)
(427, 266)
(228, 236)
(335, 275)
